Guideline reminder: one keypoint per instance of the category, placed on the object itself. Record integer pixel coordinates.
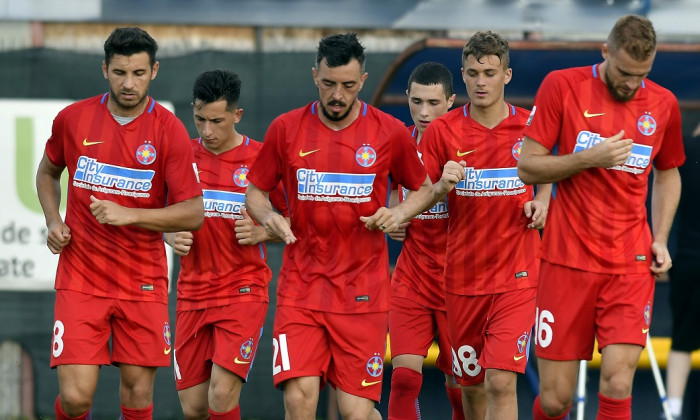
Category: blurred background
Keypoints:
(51, 55)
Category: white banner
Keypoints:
(25, 261)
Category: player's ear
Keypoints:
(314, 73)
(154, 70)
(509, 75)
(451, 100)
(104, 70)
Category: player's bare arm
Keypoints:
(536, 209)
(665, 194)
(48, 187)
(258, 206)
(389, 219)
(185, 215)
(180, 242)
(250, 233)
(400, 233)
(538, 166)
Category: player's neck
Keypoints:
(489, 116)
(345, 122)
(120, 111)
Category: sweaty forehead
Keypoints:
(135, 61)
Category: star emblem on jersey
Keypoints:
(247, 349)
(522, 344)
(303, 153)
(146, 154)
(240, 176)
(366, 156)
(166, 337)
(647, 313)
(646, 124)
(591, 115)
(461, 153)
(90, 143)
(517, 147)
(375, 366)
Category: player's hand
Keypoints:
(110, 213)
(400, 233)
(661, 259)
(247, 232)
(613, 151)
(181, 242)
(58, 236)
(384, 219)
(277, 226)
(536, 211)
(452, 174)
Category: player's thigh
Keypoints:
(194, 348)
(565, 312)
(411, 327)
(238, 330)
(466, 318)
(300, 345)
(81, 329)
(510, 321)
(150, 323)
(624, 309)
(357, 346)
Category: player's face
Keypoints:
(216, 124)
(338, 88)
(427, 102)
(485, 80)
(129, 78)
(624, 74)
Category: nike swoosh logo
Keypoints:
(240, 362)
(589, 115)
(90, 143)
(516, 358)
(460, 153)
(302, 153)
(167, 351)
(645, 330)
(365, 383)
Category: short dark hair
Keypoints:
(339, 49)
(634, 34)
(130, 41)
(482, 44)
(215, 85)
(432, 73)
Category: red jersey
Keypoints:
(218, 270)
(331, 179)
(419, 271)
(489, 247)
(146, 163)
(597, 218)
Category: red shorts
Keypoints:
(84, 323)
(226, 335)
(412, 329)
(346, 350)
(490, 332)
(575, 306)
